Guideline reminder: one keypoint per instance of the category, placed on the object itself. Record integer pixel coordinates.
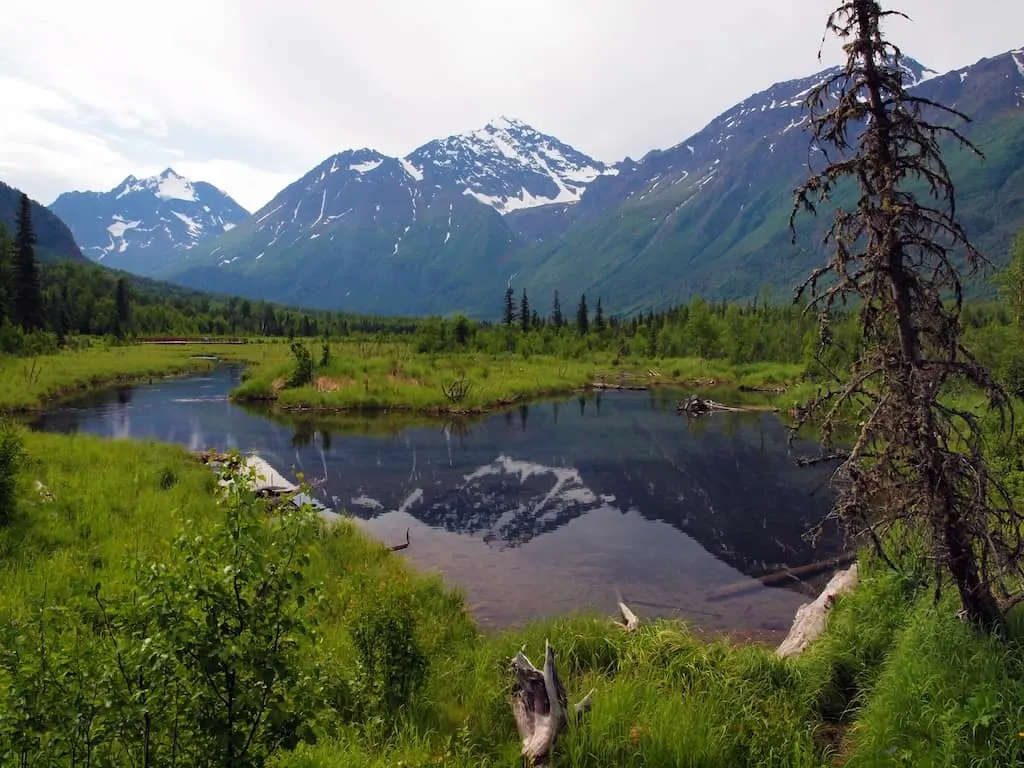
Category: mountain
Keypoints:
(447, 227)
(142, 223)
(365, 231)
(53, 239)
(710, 215)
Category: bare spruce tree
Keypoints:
(916, 479)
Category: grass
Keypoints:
(29, 383)
(896, 680)
(368, 375)
(364, 376)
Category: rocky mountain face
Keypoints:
(445, 228)
(141, 224)
(54, 240)
(384, 234)
(709, 216)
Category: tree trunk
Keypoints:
(978, 602)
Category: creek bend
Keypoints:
(540, 510)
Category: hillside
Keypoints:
(54, 239)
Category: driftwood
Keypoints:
(540, 706)
(630, 621)
(770, 390)
(396, 547)
(811, 618)
(810, 461)
(626, 387)
(775, 578)
(698, 406)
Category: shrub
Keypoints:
(10, 461)
(303, 373)
(391, 665)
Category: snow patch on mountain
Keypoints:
(1018, 61)
(412, 170)
(365, 167)
(171, 186)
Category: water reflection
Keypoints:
(620, 489)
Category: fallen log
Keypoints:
(396, 547)
(698, 406)
(810, 461)
(769, 390)
(620, 387)
(630, 621)
(811, 618)
(775, 578)
(540, 706)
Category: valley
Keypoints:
(300, 469)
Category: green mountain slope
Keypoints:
(54, 239)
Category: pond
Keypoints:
(543, 509)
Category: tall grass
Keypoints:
(895, 680)
(28, 383)
(363, 376)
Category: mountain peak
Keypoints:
(148, 219)
(503, 122)
(508, 164)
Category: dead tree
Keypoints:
(540, 706)
(917, 469)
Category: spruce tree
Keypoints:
(917, 471)
(582, 316)
(5, 274)
(510, 307)
(28, 297)
(123, 302)
(556, 312)
(1011, 281)
(524, 312)
(599, 323)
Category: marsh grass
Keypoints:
(375, 377)
(29, 383)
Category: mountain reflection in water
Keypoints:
(565, 499)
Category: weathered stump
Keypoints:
(540, 706)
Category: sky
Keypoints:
(250, 94)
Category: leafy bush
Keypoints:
(199, 663)
(303, 372)
(391, 664)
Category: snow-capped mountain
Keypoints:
(446, 227)
(508, 165)
(710, 214)
(141, 223)
(399, 229)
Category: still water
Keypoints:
(543, 509)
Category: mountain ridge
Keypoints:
(142, 222)
(54, 240)
(446, 227)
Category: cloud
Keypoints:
(259, 91)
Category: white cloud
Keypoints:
(259, 91)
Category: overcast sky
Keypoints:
(250, 94)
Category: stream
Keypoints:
(543, 509)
